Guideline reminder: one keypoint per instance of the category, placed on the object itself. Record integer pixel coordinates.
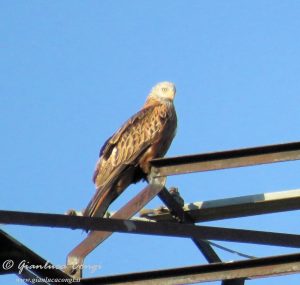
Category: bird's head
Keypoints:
(163, 91)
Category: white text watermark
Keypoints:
(26, 265)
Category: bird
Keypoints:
(125, 157)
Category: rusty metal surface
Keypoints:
(225, 159)
(77, 255)
(235, 207)
(107, 226)
(254, 268)
(201, 232)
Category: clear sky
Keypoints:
(73, 71)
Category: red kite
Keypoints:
(124, 158)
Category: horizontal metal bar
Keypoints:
(225, 159)
(233, 282)
(254, 268)
(162, 228)
(228, 208)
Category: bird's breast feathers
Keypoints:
(146, 135)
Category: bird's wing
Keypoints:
(126, 147)
(130, 141)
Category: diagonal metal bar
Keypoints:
(225, 159)
(27, 264)
(76, 257)
(206, 249)
(183, 217)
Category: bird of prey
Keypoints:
(124, 158)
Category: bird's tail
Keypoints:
(100, 202)
(108, 192)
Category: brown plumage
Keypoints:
(125, 156)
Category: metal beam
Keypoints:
(234, 282)
(225, 159)
(76, 257)
(138, 227)
(183, 217)
(211, 256)
(17, 258)
(236, 207)
(254, 268)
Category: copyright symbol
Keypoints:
(8, 264)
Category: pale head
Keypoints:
(164, 91)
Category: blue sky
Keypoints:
(73, 71)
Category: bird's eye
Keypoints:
(164, 89)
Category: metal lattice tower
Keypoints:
(175, 220)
